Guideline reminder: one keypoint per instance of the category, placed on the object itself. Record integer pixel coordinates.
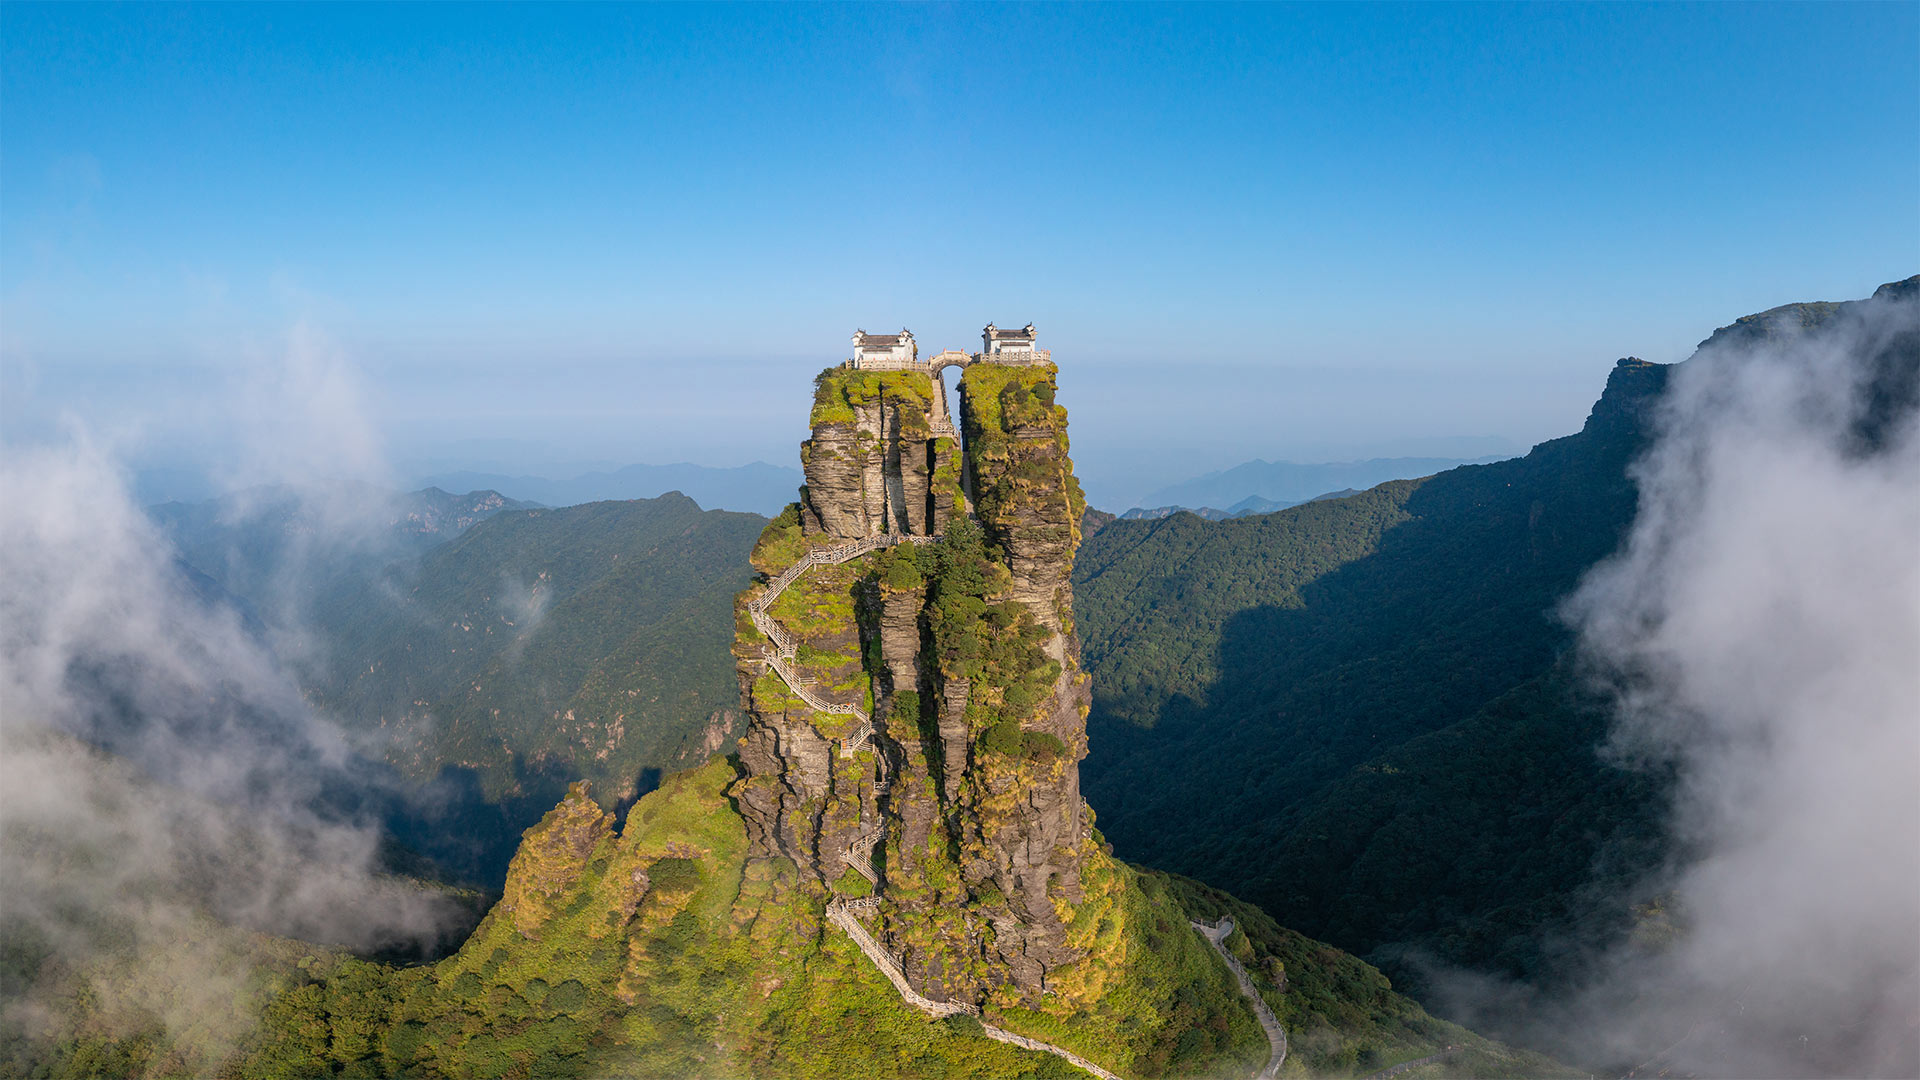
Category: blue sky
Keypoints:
(635, 233)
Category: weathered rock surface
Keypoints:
(551, 859)
(1030, 504)
(979, 855)
(870, 462)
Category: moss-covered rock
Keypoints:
(670, 950)
(871, 462)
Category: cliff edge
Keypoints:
(918, 738)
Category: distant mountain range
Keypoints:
(493, 651)
(757, 488)
(1261, 487)
(278, 541)
(1247, 507)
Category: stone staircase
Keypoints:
(860, 853)
(786, 646)
(842, 911)
(1216, 935)
(842, 914)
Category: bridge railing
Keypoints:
(857, 739)
(860, 852)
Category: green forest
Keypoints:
(492, 662)
(1361, 713)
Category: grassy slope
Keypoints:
(1341, 1015)
(661, 951)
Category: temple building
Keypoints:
(899, 352)
(995, 341)
(885, 352)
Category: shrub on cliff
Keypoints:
(1006, 737)
(996, 646)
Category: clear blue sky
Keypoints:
(635, 233)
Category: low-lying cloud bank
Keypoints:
(1760, 629)
(161, 776)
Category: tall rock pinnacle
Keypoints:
(917, 709)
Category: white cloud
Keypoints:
(158, 764)
(1762, 625)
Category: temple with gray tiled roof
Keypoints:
(994, 341)
(885, 352)
(899, 352)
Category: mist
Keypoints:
(1760, 632)
(166, 793)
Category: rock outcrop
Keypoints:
(963, 809)
(870, 464)
(900, 836)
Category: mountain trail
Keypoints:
(841, 914)
(1216, 935)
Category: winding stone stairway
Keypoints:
(1216, 935)
(860, 853)
(844, 913)
(841, 913)
(786, 646)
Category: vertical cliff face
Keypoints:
(929, 753)
(905, 806)
(1028, 499)
(871, 462)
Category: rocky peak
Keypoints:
(875, 461)
(552, 857)
(917, 709)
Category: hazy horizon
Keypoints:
(1284, 233)
(1607, 754)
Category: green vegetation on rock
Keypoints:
(836, 391)
(1006, 410)
(662, 950)
(994, 645)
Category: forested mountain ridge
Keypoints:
(549, 645)
(493, 650)
(1351, 712)
(1160, 597)
(1362, 714)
